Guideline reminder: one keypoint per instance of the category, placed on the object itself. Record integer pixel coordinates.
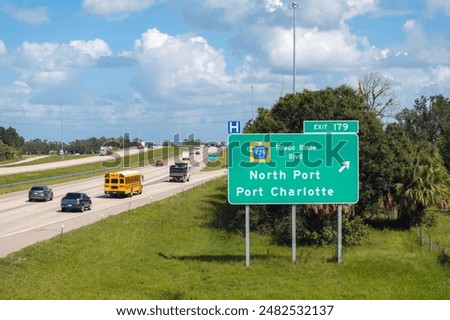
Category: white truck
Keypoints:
(185, 156)
(140, 144)
(105, 151)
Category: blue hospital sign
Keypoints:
(234, 127)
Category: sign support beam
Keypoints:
(294, 233)
(247, 236)
(339, 244)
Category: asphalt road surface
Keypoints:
(23, 223)
(10, 169)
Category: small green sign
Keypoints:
(212, 157)
(293, 168)
(335, 126)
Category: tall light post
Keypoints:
(252, 102)
(62, 142)
(293, 6)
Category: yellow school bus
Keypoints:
(123, 183)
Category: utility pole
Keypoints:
(293, 6)
(62, 141)
(252, 103)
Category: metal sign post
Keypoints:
(294, 233)
(339, 227)
(247, 236)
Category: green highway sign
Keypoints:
(334, 126)
(212, 157)
(293, 168)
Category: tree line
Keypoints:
(11, 144)
(79, 146)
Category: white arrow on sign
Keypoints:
(345, 165)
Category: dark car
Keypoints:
(76, 201)
(41, 193)
(159, 163)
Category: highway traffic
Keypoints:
(23, 222)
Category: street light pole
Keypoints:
(293, 6)
(252, 103)
(62, 142)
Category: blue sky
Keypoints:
(155, 68)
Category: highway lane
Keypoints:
(11, 169)
(23, 223)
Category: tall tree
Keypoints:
(425, 182)
(11, 138)
(429, 120)
(12, 143)
(379, 95)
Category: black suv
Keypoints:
(78, 201)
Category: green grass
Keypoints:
(440, 234)
(49, 159)
(169, 250)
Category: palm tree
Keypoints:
(425, 182)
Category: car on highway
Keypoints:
(41, 193)
(76, 201)
(159, 163)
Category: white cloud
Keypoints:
(95, 48)
(52, 72)
(425, 48)
(37, 15)
(359, 7)
(14, 94)
(2, 48)
(322, 14)
(441, 76)
(272, 5)
(53, 62)
(117, 9)
(434, 6)
(318, 50)
(183, 63)
(330, 14)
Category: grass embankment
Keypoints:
(60, 175)
(170, 250)
(45, 159)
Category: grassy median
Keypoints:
(171, 250)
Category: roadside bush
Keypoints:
(428, 219)
(321, 229)
(313, 228)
